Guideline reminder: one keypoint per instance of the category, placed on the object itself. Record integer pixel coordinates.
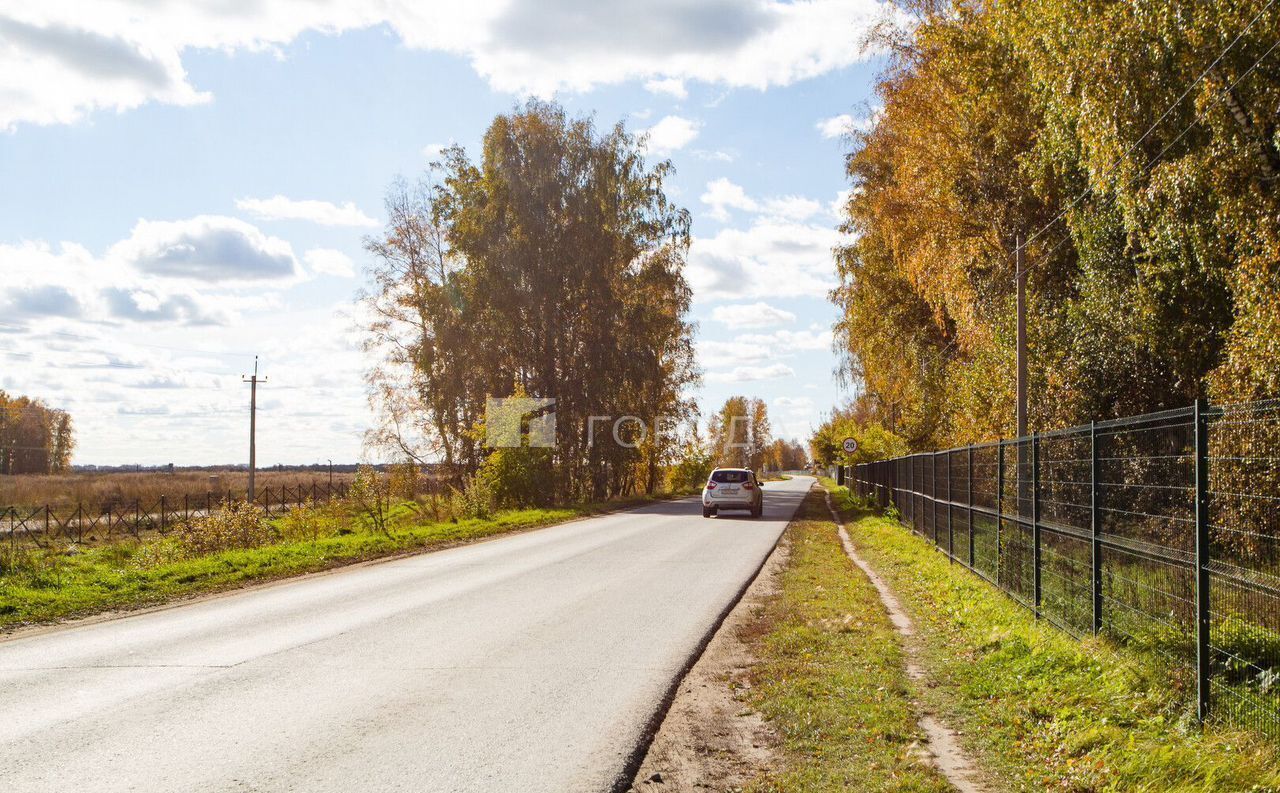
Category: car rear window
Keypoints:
(729, 477)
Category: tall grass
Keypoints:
(110, 490)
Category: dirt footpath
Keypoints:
(710, 738)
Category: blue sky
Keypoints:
(182, 190)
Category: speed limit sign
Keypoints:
(850, 445)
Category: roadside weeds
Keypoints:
(943, 746)
(1036, 708)
(817, 670)
(105, 581)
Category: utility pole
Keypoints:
(1022, 337)
(253, 424)
(1025, 486)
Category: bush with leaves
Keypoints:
(691, 470)
(312, 520)
(236, 524)
(372, 493)
(474, 500)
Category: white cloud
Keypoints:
(279, 207)
(207, 248)
(836, 126)
(792, 207)
(70, 283)
(723, 195)
(62, 58)
(794, 403)
(783, 341)
(751, 315)
(54, 67)
(713, 156)
(330, 262)
(843, 124)
(837, 206)
(771, 258)
(672, 133)
(671, 86)
(745, 374)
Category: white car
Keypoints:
(732, 488)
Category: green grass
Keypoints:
(831, 677)
(132, 575)
(1039, 708)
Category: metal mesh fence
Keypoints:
(50, 525)
(1160, 531)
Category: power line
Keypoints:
(1150, 163)
(1157, 122)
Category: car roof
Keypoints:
(745, 470)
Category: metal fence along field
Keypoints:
(49, 525)
(1161, 531)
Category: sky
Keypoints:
(182, 189)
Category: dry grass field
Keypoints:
(107, 490)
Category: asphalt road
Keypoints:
(528, 663)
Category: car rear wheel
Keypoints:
(706, 512)
(757, 511)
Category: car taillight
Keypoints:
(711, 485)
(747, 485)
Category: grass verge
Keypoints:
(123, 576)
(1039, 709)
(831, 677)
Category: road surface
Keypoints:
(528, 663)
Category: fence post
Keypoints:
(164, 508)
(999, 502)
(951, 536)
(894, 497)
(1036, 559)
(1201, 470)
(1095, 528)
(933, 497)
(969, 500)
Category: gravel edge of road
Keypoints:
(626, 779)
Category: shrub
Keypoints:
(236, 524)
(475, 500)
(516, 477)
(372, 494)
(692, 469)
(310, 520)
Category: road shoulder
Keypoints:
(805, 687)
(711, 738)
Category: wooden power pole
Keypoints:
(253, 381)
(1022, 338)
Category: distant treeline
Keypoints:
(34, 438)
(1134, 149)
